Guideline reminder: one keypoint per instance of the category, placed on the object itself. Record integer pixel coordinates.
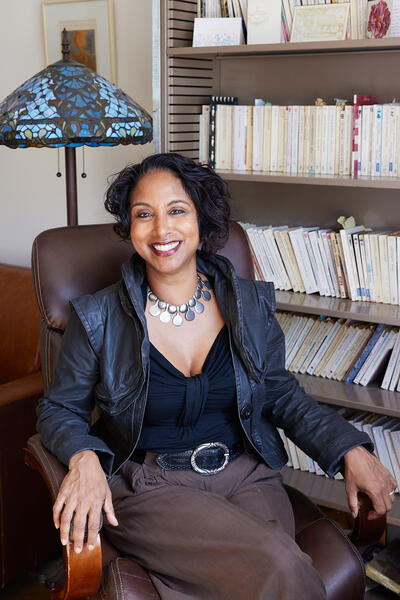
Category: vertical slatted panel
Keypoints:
(190, 82)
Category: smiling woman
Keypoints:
(191, 361)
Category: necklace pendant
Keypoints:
(165, 317)
(177, 320)
(206, 295)
(199, 308)
(154, 310)
(190, 315)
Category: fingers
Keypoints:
(109, 510)
(93, 526)
(352, 499)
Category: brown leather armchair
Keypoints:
(69, 262)
(20, 387)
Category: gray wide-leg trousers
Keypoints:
(228, 536)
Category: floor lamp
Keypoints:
(69, 105)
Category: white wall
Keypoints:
(32, 198)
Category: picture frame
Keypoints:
(320, 23)
(90, 24)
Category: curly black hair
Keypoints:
(207, 190)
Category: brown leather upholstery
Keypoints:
(20, 387)
(68, 262)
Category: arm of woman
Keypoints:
(64, 426)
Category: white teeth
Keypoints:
(165, 247)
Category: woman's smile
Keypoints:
(165, 248)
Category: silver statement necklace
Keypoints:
(188, 310)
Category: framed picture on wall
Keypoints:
(90, 26)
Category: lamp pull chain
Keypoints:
(58, 162)
(83, 174)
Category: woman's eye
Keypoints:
(177, 211)
(143, 215)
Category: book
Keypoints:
(239, 138)
(358, 101)
(263, 21)
(364, 355)
(384, 567)
(214, 101)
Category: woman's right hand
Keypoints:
(83, 495)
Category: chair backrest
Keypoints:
(19, 324)
(69, 262)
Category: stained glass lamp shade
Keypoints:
(67, 104)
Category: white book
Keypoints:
(341, 350)
(293, 454)
(392, 264)
(324, 347)
(370, 271)
(302, 457)
(338, 110)
(258, 137)
(394, 380)
(384, 264)
(375, 351)
(387, 432)
(288, 149)
(285, 443)
(386, 137)
(379, 358)
(267, 138)
(205, 129)
(378, 432)
(298, 359)
(361, 242)
(274, 138)
(394, 359)
(309, 322)
(350, 262)
(276, 258)
(291, 336)
(285, 258)
(239, 138)
(376, 151)
(306, 232)
(348, 140)
(318, 139)
(264, 257)
(325, 262)
(295, 140)
(398, 266)
(326, 237)
(360, 271)
(259, 251)
(395, 438)
(331, 139)
(320, 271)
(303, 261)
(366, 135)
(263, 21)
(315, 346)
(302, 125)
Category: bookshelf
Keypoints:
(186, 77)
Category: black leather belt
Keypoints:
(206, 459)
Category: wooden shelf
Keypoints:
(367, 45)
(391, 183)
(389, 314)
(329, 492)
(370, 398)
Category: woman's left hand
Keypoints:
(364, 473)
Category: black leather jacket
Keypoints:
(104, 361)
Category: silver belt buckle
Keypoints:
(196, 451)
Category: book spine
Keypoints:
(258, 137)
(288, 145)
(295, 140)
(274, 138)
(267, 138)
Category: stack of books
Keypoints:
(344, 140)
(354, 263)
(383, 430)
(342, 349)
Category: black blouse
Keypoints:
(183, 412)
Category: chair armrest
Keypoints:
(82, 571)
(335, 558)
(23, 387)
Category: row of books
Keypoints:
(342, 349)
(222, 8)
(354, 263)
(312, 140)
(384, 431)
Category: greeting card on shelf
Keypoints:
(383, 18)
(218, 32)
(320, 23)
(264, 21)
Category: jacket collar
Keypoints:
(226, 288)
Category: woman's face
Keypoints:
(164, 226)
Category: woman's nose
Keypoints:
(162, 225)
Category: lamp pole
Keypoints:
(71, 186)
